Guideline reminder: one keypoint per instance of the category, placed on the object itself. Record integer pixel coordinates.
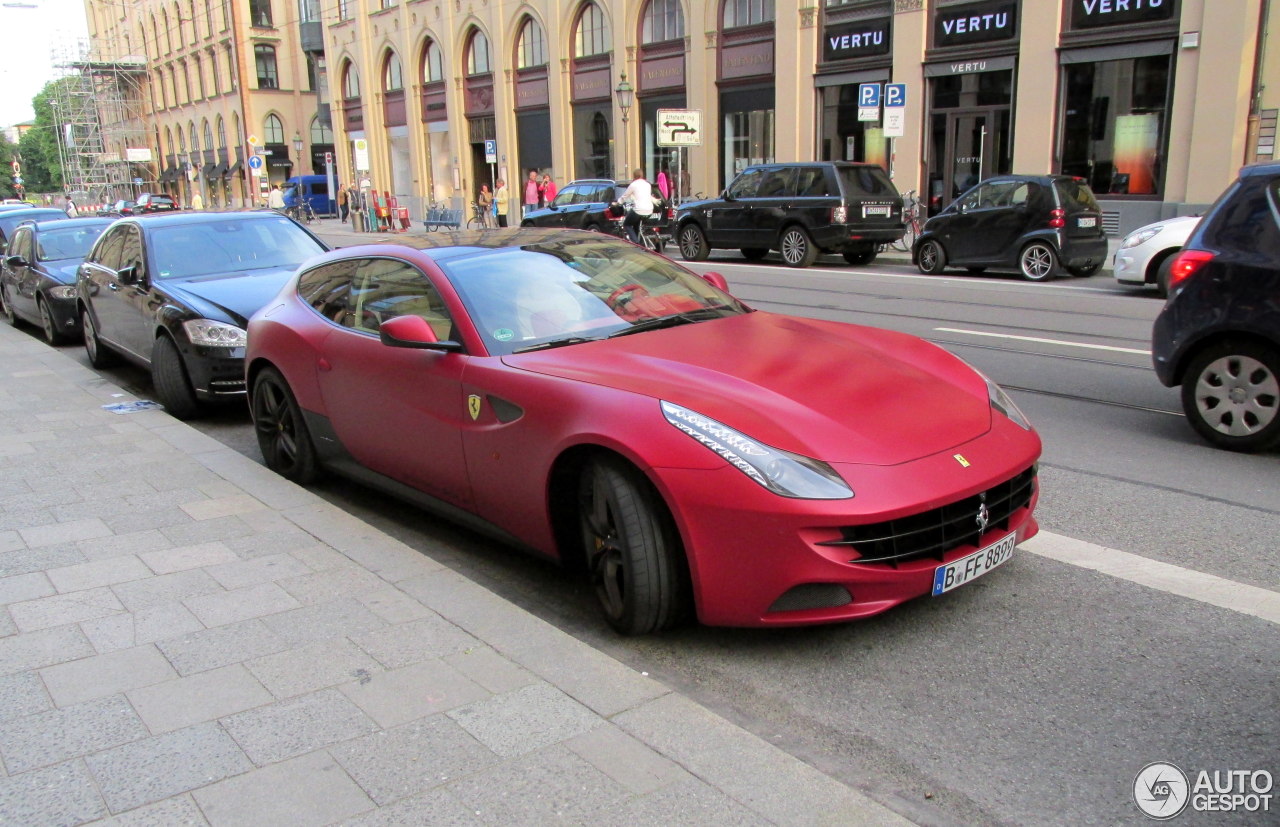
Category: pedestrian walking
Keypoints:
(502, 198)
(548, 189)
(197, 201)
(344, 206)
(72, 212)
(276, 199)
(485, 202)
(531, 192)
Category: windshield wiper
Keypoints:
(572, 340)
(675, 319)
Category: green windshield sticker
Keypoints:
(504, 334)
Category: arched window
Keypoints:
(663, 20)
(182, 142)
(177, 22)
(273, 130)
(168, 37)
(208, 18)
(264, 58)
(478, 54)
(208, 134)
(159, 92)
(195, 137)
(747, 12)
(235, 128)
(592, 34)
(200, 76)
(432, 62)
(155, 36)
(186, 83)
(392, 75)
(350, 83)
(320, 134)
(222, 133)
(531, 48)
(168, 139)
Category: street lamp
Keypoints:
(297, 147)
(626, 96)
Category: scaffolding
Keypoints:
(97, 101)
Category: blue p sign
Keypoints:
(868, 94)
(895, 94)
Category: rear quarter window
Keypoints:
(866, 182)
(1248, 221)
(1076, 196)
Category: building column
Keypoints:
(910, 34)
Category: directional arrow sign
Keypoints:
(679, 127)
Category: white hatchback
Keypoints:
(1145, 254)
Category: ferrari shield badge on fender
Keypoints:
(473, 406)
(964, 463)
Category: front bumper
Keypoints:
(66, 317)
(761, 560)
(215, 372)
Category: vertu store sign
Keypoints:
(863, 38)
(1087, 14)
(976, 23)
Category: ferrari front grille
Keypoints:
(931, 534)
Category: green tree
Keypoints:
(41, 168)
(7, 151)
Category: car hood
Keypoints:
(235, 295)
(63, 270)
(832, 391)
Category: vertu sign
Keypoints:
(1087, 14)
(861, 38)
(975, 23)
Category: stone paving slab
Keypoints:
(219, 646)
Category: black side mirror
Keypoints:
(16, 261)
(726, 196)
(128, 275)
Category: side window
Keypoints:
(974, 199)
(21, 245)
(1021, 193)
(131, 251)
(777, 183)
(745, 185)
(564, 197)
(107, 252)
(328, 289)
(811, 182)
(386, 287)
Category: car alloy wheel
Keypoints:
(1037, 261)
(931, 258)
(693, 244)
(9, 312)
(632, 551)
(169, 376)
(282, 432)
(1231, 396)
(51, 333)
(797, 248)
(99, 356)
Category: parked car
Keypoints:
(119, 208)
(173, 293)
(11, 219)
(800, 210)
(1218, 336)
(1146, 254)
(601, 405)
(38, 276)
(1034, 224)
(314, 189)
(151, 203)
(581, 205)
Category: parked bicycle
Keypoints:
(476, 221)
(302, 212)
(913, 218)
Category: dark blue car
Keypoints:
(38, 276)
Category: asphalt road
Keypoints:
(1033, 695)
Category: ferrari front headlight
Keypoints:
(1002, 403)
(784, 473)
(209, 333)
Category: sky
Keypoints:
(26, 60)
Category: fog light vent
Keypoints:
(812, 596)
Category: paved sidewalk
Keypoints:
(186, 638)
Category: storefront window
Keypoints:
(591, 130)
(1114, 122)
(748, 140)
(844, 137)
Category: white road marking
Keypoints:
(968, 281)
(1042, 341)
(1166, 577)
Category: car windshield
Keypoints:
(570, 291)
(1076, 195)
(62, 244)
(229, 246)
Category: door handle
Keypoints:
(111, 285)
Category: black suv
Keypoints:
(581, 205)
(1031, 223)
(1219, 333)
(799, 210)
(149, 203)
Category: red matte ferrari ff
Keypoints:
(579, 396)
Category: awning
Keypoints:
(234, 168)
(168, 175)
(219, 170)
(278, 162)
(207, 169)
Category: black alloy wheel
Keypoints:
(169, 376)
(797, 248)
(693, 243)
(1038, 262)
(100, 356)
(281, 429)
(1231, 396)
(754, 253)
(51, 333)
(632, 550)
(931, 258)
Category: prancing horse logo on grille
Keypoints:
(984, 515)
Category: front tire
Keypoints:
(632, 550)
(9, 313)
(169, 376)
(1038, 262)
(51, 333)
(99, 355)
(282, 433)
(797, 248)
(693, 243)
(931, 258)
(1231, 396)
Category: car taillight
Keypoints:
(1186, 264)
(839, 215)
(1057, 219)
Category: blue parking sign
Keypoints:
(895, 95)
(491, 151)
(868, 101)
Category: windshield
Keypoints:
(521, 298)
(230, 246)
(60, 244)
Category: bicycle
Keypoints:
(476, 221)
(302, 212)
(911, 217)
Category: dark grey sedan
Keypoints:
(38, 275)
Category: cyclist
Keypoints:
(639, 197)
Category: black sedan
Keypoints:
(11, 219)
(173, 293)
(38, 277)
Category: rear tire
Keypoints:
(797, 248)
(282, 433)
(632, 550)
(693, 243)
(754, 253)
(1231, 396)
(931, 258)
(1038, 262)
(1162, 275)
(100, 356)
(169, 376)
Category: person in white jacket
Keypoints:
(638, 197)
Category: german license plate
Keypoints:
(1088, 221)
(973, 566)
(875, 209)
